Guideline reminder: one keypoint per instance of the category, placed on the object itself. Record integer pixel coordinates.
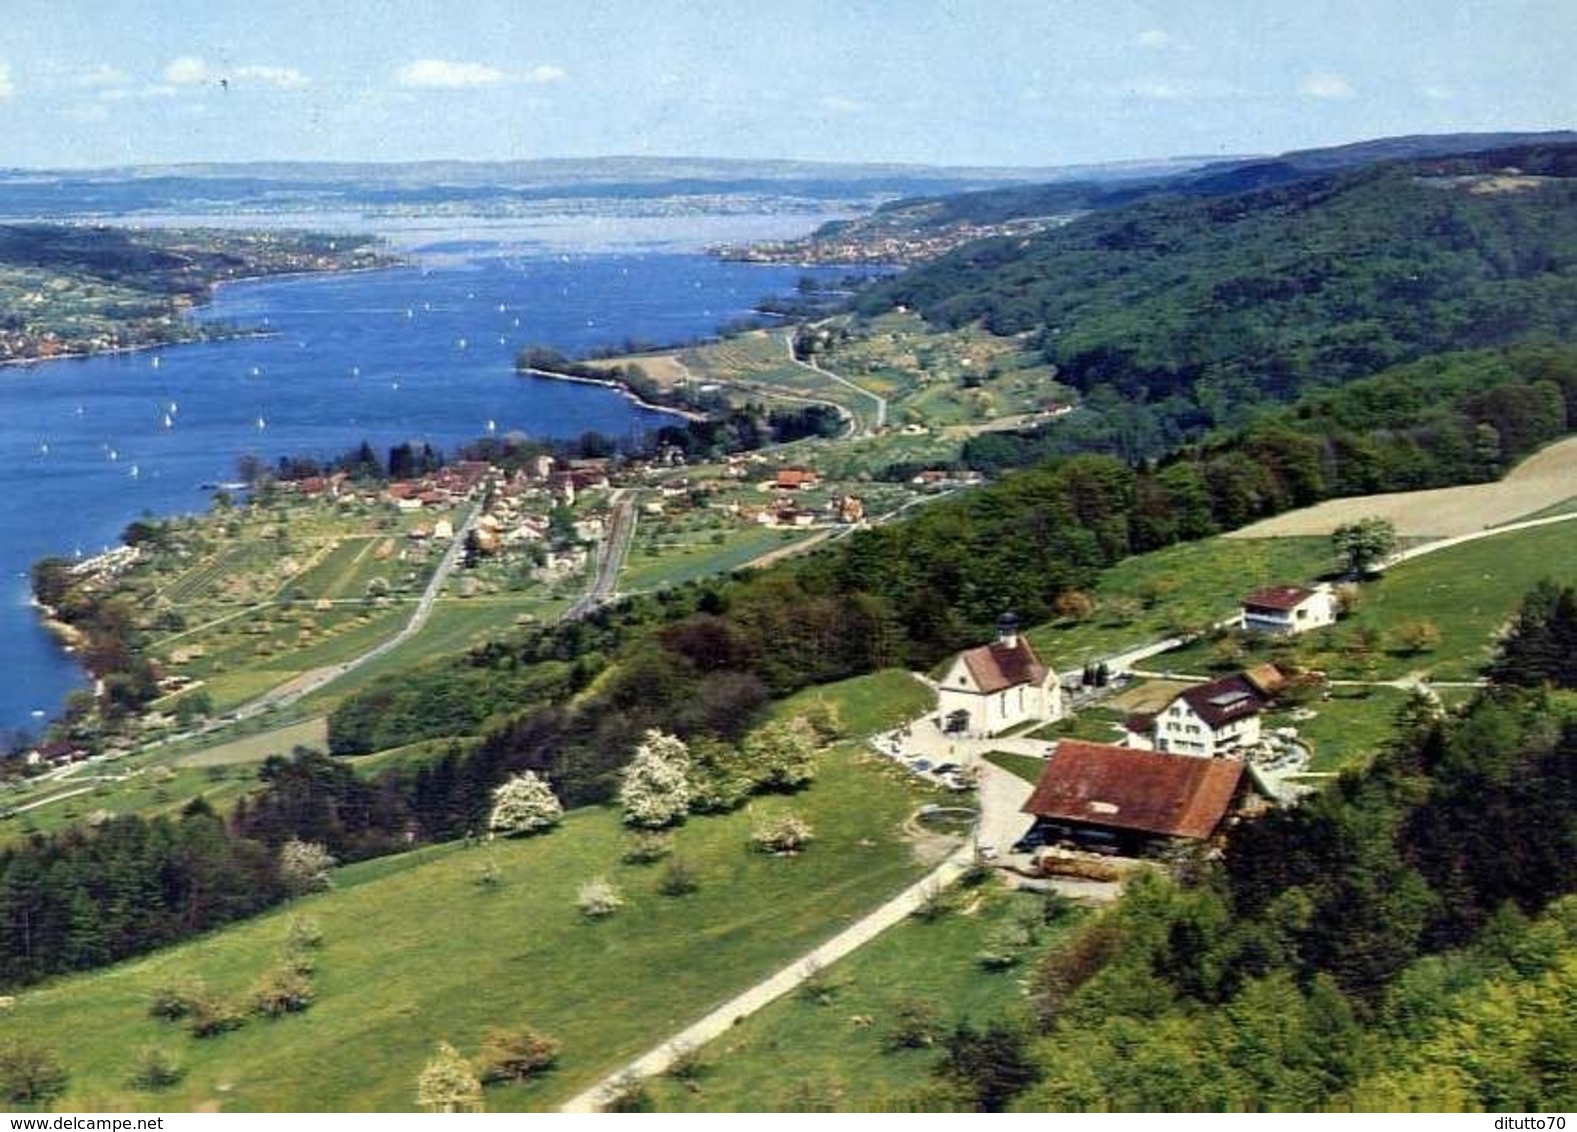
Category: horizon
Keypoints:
(1019, 85)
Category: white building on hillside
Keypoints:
(1289, 609)
(994, 687)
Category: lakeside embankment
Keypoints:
(617, 386)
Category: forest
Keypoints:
(1196, 313)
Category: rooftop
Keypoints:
(1280, 598)
(999, 666)
(1143, 791)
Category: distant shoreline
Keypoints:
(208, 300)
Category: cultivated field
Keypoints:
(1547, 478)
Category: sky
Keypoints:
(946, 82)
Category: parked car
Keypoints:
(944, 768)
(921, 765)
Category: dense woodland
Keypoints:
(1190, 314)
(1391, 943)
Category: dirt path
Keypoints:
(1546, 478)
(718, 1021)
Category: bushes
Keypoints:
(514, 1055)
(917, 1024)
(599, 898)
(284, 990)
(156, 1068)
(784, 834)
(211, 1015)
(523, 805)
(29, 1074)
(448, 1083)
(647, 847)
(174, 1001)
(655, 790)
(678, 879)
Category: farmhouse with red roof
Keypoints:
(1116, 798)
(1210, 720)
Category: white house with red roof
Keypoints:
(1210, 720)
(1289, 609)
(989, 689)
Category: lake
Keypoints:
(413, 353)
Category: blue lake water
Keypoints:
(422, 352)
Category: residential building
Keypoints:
(1209, 720)
(1289, 609)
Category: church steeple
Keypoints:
(1007, 630)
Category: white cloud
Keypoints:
(92, 112)
(1327, 85)
(6, 87)
(1156, 90)
(838, 104)
(152, 90)
(1436, 93)
(1154, 38)
(546, 73)
(445, 74)
(188, 70)
(284, 78)
(100, 75)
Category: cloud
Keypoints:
(1327, 85)
(6, 87)
(445, 74)
(1151, 88)
(1155, 90)
(1437, 93)
(546, 73)
(1154, 38)
(282, 78)
(838, 104)
(100, 75)
(188, 70)
(92, 112)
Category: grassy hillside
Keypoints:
(416, 951)
(834, 1046)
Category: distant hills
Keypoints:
(1187, 312)
(927, 221)
(306, 186)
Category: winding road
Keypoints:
(880, 402)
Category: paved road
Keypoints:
(308, 682)
(718, 1021)
(610, 559)
(880, 402)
